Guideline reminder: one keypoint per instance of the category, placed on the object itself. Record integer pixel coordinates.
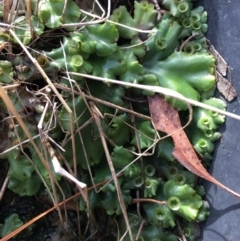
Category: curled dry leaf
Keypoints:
(224, 86)
(166, 119)
(220, 62)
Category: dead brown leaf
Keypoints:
(220, 62)
(166, 119)
(225, 87)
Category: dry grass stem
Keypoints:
(4, 186)
(100, 19)
(160, 90)
(96, 115)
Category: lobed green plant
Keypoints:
(160, 58)
(6, 71)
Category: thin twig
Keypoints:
(51, 85)
(157, 6)
(28, 17)
(24, 226)
(140, 229)
(100, 19)
(181, 231)
(187, 40)
(4, 186)
(95, 115)
(14, 112)
(161, 90)
(136, 200)
(92, 98)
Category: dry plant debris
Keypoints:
(61, 127)
(224, 86)
(166, 119)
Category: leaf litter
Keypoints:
(166, 119)
(223, 84)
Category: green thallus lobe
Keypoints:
(97, 50)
